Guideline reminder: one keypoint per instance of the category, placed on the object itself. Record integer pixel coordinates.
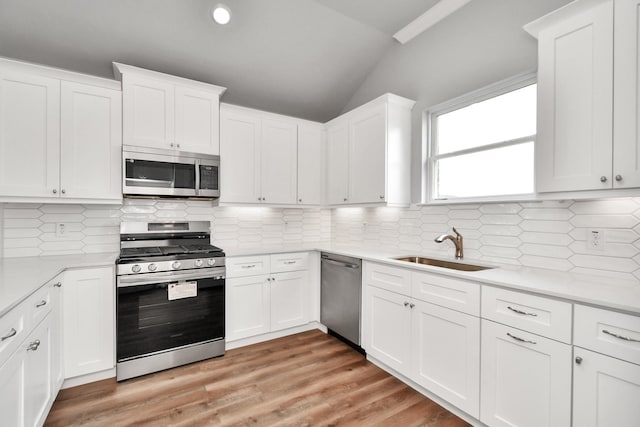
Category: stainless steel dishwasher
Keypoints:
(341, 296)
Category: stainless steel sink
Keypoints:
(444, 264)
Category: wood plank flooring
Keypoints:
(308, 379)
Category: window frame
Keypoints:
(429, 140)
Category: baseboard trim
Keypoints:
(230, 345)
(89, 378)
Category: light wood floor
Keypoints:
(306, 379)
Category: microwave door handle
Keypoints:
(197, 177)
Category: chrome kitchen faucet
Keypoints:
(457, 241)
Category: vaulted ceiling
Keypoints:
(304, 58)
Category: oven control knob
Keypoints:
(152, 267)
(199, 263)
(136, 268)
(211, 261)
(175, 265)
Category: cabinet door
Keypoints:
(29, 135)
(247, 307)
(289, 299)
(367, 156)
(148, 112)
(338, 164)
(12, 389)
(279, 154)
(626, 133)
(386, 327)
(57, 357)
(446, 351)
(37, 385)
(239, 158)
(311, 163)
(606, 391)
(575, 96)
(197, 121)
(88, 321)
(91, 142)
(526, 379)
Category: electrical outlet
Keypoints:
(596, 239)
(61, 230)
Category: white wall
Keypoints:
(480, 44)
(29, 230)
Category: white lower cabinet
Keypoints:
(606, 391)
(447, 354)
(88, 321)
(12, 390)
(526, 379)
(38, 387)
(263, 295)
(436, 347)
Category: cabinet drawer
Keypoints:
(542, 316)
(608, 332)
(247, 266)
(39, 305)
(390, 278)
(281, 263)
(456, 294)
(12, 330)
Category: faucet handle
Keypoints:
(456, 231)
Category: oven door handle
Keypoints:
(171, 276)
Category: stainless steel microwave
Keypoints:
(150, 172)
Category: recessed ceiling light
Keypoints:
(221, 14)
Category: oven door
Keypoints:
(152, 174)
(157, 312)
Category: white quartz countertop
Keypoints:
(20, 277)
(603, 291)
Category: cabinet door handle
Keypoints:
(382, 197)
(618, 178)
(603, 178)
(55, 191)
(515, 310)
(406, 304)
(620, 337)
(34, 346)
(64, 191)
(57, 285)
(41, 304)
(345, 199)
(521, 339)
(578, 360)
(12, 333)
(411, 305)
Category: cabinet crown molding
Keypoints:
(388, 98)
(571, 9)
(120, 69)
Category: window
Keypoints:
(481, 144)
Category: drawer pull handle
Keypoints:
(41, 304)
(290, 262)
(604, 331)
(34, 345)
(521, 339)
(12, 333)
(406, 304)
(515, 310)
(248, 266)
(57, 285)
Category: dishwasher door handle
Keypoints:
(340, 263)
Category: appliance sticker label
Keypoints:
(182, 290)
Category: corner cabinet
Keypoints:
(60, 139)
(169, 112)
(368, 154)
(269, 159)
(588, 96)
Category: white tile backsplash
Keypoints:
(550, 234)
(30, 230)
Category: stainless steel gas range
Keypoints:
(170, 297)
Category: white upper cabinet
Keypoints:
(91, 149)
(338, 163)
(29, 135)
(169, 112)
(588, 95)
(261, 161)
(626, 100)
(311, 162)
(279, 153)
(369, 152)
(60, 136)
